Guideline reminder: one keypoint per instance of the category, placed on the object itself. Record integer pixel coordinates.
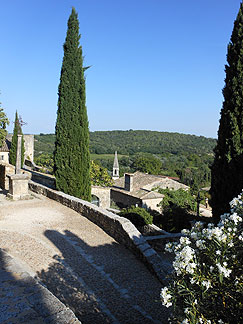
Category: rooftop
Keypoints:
(143, 183)
(6, 146)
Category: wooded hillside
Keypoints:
(135, 141)
(187, 157)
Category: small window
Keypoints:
(1, 157)
(95, 200)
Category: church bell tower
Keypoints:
(115, 173)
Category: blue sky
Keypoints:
(156, 64)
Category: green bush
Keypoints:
(137, 215)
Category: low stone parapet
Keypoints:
(120, 228)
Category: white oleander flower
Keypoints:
(185, 321)
(235, 218)
(169, 247)
(194, 235)
(207, 284)
(185, 240)
(187, 310)
(192, 281)
(182, 260)
(165, 297)
(198, 225)
(211, 268)
(200, 244)
(222, 270)
(218, 252)
(210, 225)
(185, 231)
(190, 267)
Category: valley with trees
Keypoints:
(187, 157)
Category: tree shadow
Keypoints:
(102, 284)
(24, 300)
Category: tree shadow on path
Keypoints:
(102, 284)
(24, 300)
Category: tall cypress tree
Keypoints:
(227, 169)
(71, 156)
(3, 123)
(13, 150)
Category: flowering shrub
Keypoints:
(207, 281)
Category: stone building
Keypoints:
(28, 145)
(136, 189)
(101, 196)
(4, 151)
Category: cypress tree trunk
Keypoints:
(13, 150)
(71, 155)
(227, 169)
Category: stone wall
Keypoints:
(4, 157)
(5, 169)
(28, 145)
(124, 200)
(121, 229)
(152, 204)
(44, 179)
(103, 193)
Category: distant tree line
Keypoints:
(134, 141)
(137, 141)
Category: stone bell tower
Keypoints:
(115, 173)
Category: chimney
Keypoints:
(128, 181)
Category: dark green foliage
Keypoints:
(71, 156)
(227, 169)
(180, 198)
(3, 123)
(13, 150)
(45, 160)
(99, 175)
(178, 209)
(44, 143)
(135, 141)
(137, 215)
(147, 164)
(131, 142)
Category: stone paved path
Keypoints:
(99, 279)
(24, 300)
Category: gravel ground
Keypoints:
(99, 279)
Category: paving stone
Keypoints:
(24, 300)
